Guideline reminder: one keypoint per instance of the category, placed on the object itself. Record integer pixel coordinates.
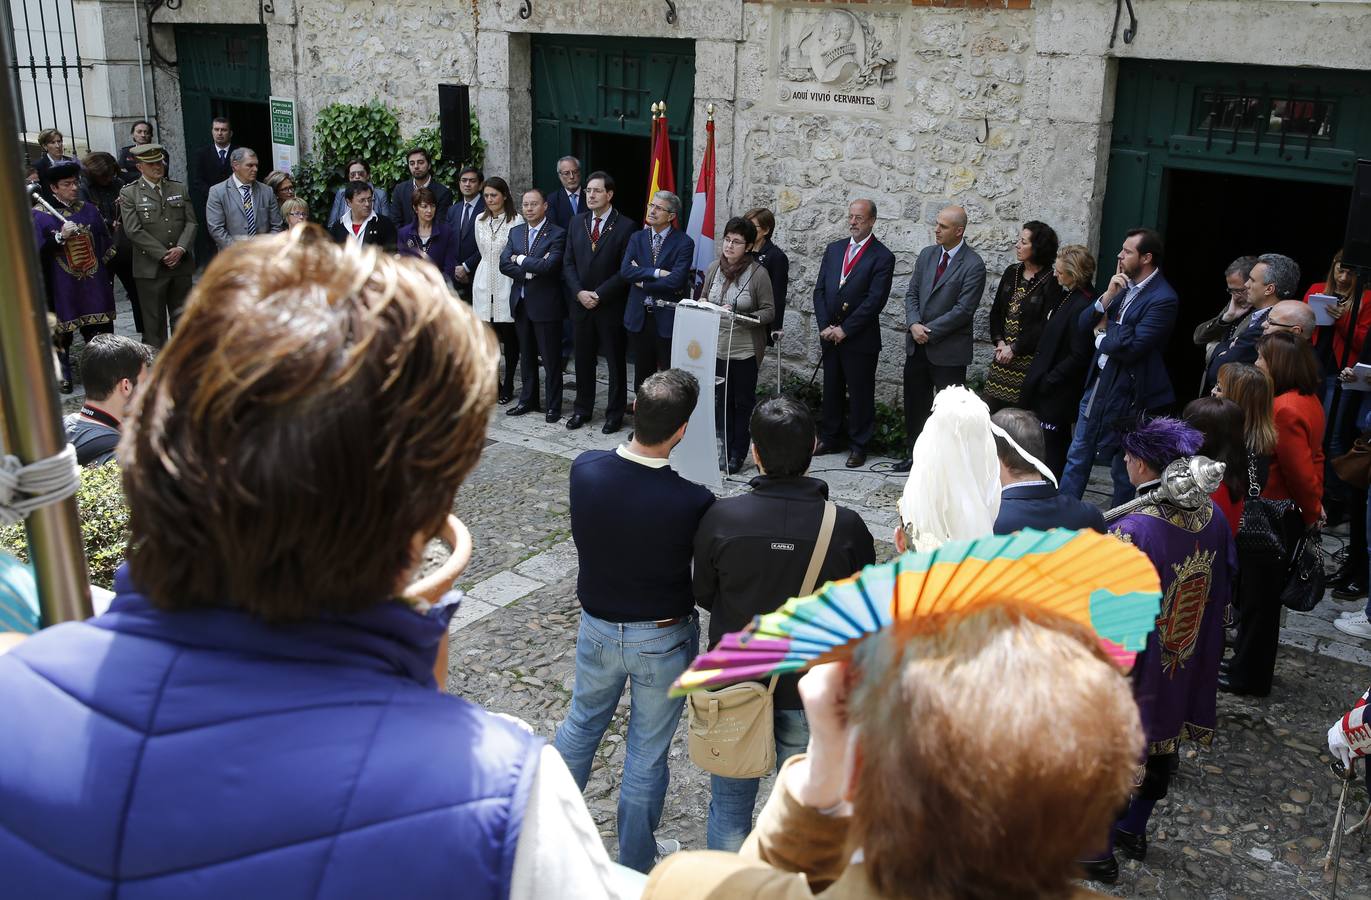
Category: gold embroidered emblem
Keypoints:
(694, 350)
(1183, 606)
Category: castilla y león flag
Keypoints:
(660, 177)
(701, 227)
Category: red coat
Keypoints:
(1297, 465)
(1340, 327)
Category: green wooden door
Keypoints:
(592, 98)
(224, 72)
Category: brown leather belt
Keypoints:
(666, 623)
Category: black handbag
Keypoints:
(1304, 582)
(1268, 528)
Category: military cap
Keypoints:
(148, 153)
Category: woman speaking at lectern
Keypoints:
(737, 282)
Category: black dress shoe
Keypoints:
(612, 425)
(1352, 588)
(521, 409)
(1133, 846)
(504, 399)
(576, 421)
(856, 459)
(1105, 871)
(551, 417)
(903, 465)
(735, 466)
(1228, 686)
(824, 448)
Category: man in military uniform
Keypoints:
(160, 223)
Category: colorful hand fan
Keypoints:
(1090, 578)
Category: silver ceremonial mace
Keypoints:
(1186, 483)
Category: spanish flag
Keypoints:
(660, 177)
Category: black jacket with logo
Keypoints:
(751, 553)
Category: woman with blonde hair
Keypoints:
(295, 212)
(1052, 388)
(944, 784)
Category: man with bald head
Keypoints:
(1291, 316)
(849, 294)
(939, 305)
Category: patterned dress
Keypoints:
(1175, 679)
(1004, 382)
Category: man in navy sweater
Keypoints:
(634, 521)
(1028, 498)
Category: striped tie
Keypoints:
(247, 209)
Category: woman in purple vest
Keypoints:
(257, 714)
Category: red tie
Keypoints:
(356, 227)
(595, 232)
(942, 267)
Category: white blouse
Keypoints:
(490, 289)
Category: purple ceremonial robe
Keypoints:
(1175, 680)
(80, 284)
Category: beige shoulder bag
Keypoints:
(731, 729)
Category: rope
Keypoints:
(43, 482)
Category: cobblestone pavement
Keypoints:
(1248, 818)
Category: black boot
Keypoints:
(1133, 846)
(1105, 871)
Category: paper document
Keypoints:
(1323, 304)
(1361, 378)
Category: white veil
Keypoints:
(953, 491)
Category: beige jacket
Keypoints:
(763, 305)
(794, 853)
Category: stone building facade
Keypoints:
(1005, 106)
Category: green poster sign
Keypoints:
(282, 121)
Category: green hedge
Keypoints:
(104, 524)
(370, 131)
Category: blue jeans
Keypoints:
(732, 800)
(1090, 433)
(649, 658)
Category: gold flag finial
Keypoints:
(661, 106)
(654, 110)
(709, 111)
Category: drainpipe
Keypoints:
(142, 76)
(32, 419)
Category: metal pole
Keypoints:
(7, 24)
(27, 389)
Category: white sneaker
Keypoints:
(1357, 626)
(1353, 613)
(667, 847)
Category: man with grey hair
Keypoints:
(569, 199)
(241, 206)
(1220, 329)
(657, 267)
(1273, 278)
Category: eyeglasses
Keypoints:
(734, 242)
(1274, 324)
(659, 207)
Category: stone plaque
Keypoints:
(835, 59)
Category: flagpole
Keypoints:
(31, 416)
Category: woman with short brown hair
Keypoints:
(267, 667)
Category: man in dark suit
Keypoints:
(940, 305)
(361, 223)
(596, 243)
(1272, 279)
(569, 200)
(420, 175)
(211, 165)
(657, 267)
(1028, 494)
(1132, 321)
(533, 258)
(461, 221)
(849, 294)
